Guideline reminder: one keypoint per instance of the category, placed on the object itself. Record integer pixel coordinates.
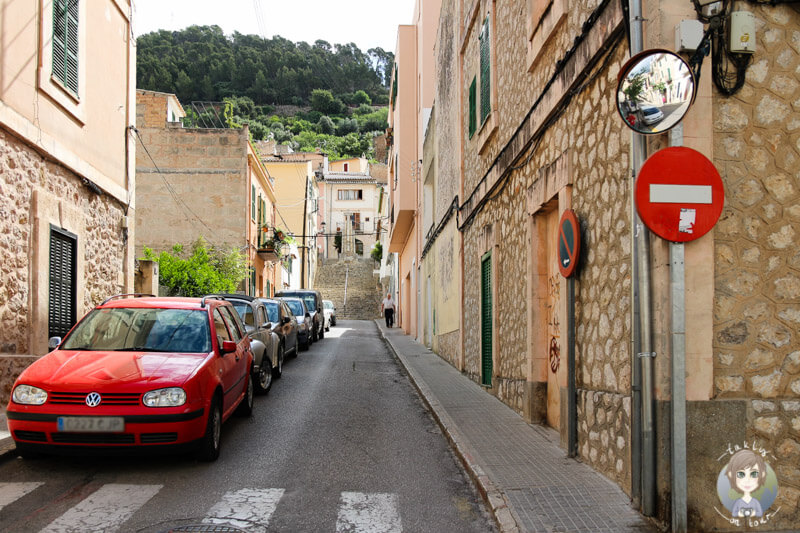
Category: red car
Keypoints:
(140, 372)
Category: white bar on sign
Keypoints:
(679, 194)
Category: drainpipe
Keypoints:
(646, 355)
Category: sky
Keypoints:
(367, 23)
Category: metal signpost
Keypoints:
(679, 196)
(569, 249)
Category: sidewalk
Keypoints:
(527, 480)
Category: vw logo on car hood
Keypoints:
(93, 399)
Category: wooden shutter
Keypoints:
(253, 202)
(486, 320)
(473, 113)
(486, 71)
(65, 43)
(63, 266)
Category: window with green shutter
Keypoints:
(253, 203)
(65, 43)
(486, 71)
(486, 320)
(473, 114)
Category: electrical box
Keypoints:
(688, 34)
(742, 26)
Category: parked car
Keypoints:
(651, 114)
(305, 325)
(284, 325)
(329, 311)
(313, 301)
(141, 372)
(267, 358)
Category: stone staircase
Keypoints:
(364, 294)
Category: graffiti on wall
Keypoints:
(553, 325)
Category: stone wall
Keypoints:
(757, 268)
(23, 174)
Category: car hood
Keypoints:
(96, 369)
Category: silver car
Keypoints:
(305, 324)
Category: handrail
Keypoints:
(133, 294)
(346, 276)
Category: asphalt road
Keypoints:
(342, 443)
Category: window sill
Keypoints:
(546, 30)
(486, 132)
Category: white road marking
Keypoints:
(680, 194)
(248, 509)
(372, 513)
(104, 510)
(11, 492)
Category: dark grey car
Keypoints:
(313, 301)
(267, 359)
(284, 325)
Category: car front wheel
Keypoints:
(210, 443)
(264, 377)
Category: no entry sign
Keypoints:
(569, 243)
(679, 194)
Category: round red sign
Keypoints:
(679, 194)
(569, 243)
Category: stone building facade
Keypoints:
(66, 174)
(532, 128)
(207, 183)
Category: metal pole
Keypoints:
(572, 407)
(678, 440)
(646, 356)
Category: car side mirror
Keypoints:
(228, 347)
(53, 343)
(286, 320)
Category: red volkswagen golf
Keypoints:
(137, 372)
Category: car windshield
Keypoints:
(328, 305)
(245, 313)
(142, 329)
(309, 298)
(650, 110)
(272, 311)
(296, 307)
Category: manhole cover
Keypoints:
(204, 528)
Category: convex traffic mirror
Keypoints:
(656, 88)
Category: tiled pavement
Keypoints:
(527, 479)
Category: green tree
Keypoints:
(377, 252)
(325, 125)
(360, 97)
(206, 270)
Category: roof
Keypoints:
(348, 177)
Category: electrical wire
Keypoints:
(175, 197)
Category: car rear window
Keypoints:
(296, 307)
(245, 313)
(272, 311)
(309, 298)
(142, 329)
(650, 110)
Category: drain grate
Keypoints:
(204, 528)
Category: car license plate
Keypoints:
(91, 424)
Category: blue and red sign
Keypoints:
(569, 243)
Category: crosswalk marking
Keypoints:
(374, 513)
(104, 510)
(249, 509)
(11, 492)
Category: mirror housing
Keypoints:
(655, 90)
(286, 320)
(53, 343)
(228, 347)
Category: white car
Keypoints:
(651, 114)
(329, 311)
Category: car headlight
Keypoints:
(171, 397)
(28, 395)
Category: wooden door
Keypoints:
(553, 338)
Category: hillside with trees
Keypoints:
(331, 97)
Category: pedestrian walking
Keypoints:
(387, 308)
